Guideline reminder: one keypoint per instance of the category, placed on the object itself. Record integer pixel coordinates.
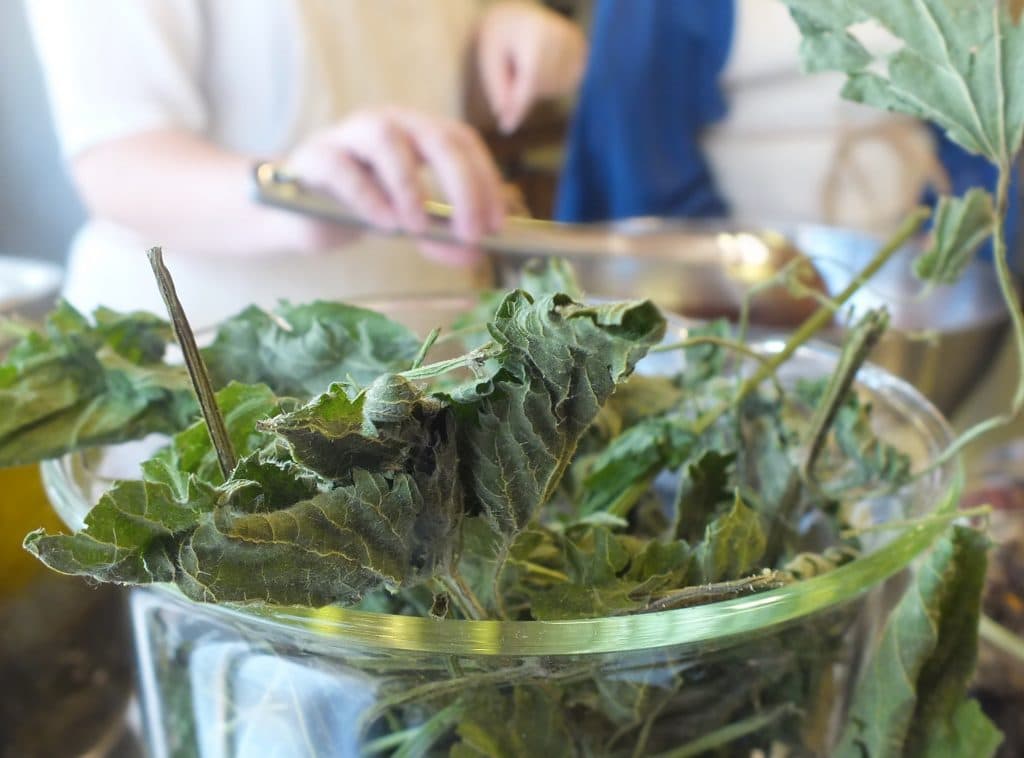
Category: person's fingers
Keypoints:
(523, 90)
(378, 143)
(497, 74)
(392, 156)
(328, 167)
(443, 147)
(356, 184)
(493, 184)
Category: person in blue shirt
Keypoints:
(697, 109)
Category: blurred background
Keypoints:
(40, 211)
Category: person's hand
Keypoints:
(373, 162)
(525, 53)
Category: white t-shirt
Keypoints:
(791, 149)
(257, 77)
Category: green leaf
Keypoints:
(704, 361)
(639, 398)
(260, 484)
(332, 548)
(77, 384)
(559, 362)
(528, 721)
(300, 349)
(961, 225)
(911, 697)
(854, 456)
(733, 544)
(550, 276)
(607, 574)
(130, 535)
(615, 437)
(377, 430)
(957, 66)
(764, 454)
(620, 473)
(190, 452)
(376, 530)
(704, 486)
(539, 277)
(969, 734)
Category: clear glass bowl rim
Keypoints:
(703, 625)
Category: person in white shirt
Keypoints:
(163, 106)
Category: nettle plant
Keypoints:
(327, 463)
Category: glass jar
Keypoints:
(745, 673)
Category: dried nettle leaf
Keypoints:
(559, 363)
(608, 574)
(377, 430)
(733, 545)
(132, 534)
(333, 547)
(368, 491)
(298, 350)
(526, 721)
(76, 384)
(911, 699)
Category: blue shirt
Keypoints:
(651, 88)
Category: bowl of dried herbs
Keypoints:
(587, 528)
(538, 523)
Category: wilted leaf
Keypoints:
(622, 472)
(377, 430)
(539, 277)
(609, 575)
(703, 486)
(559, 363)
(300, 349)
(854, 456)
(130, 536)
(77, 384)
(190, 452)
(961, 225)
(639, 398)
(764, 453)
(527, 721)
(733, 544)
(332, 548)
(911, 696)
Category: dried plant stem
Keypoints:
(1001, 637)
(462, 596)
(425, 348)
(726, 344)
(820, 318)
(731, 732)
(194, 362)
(861, 342)
(1008, 288)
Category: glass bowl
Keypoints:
(743, 673)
